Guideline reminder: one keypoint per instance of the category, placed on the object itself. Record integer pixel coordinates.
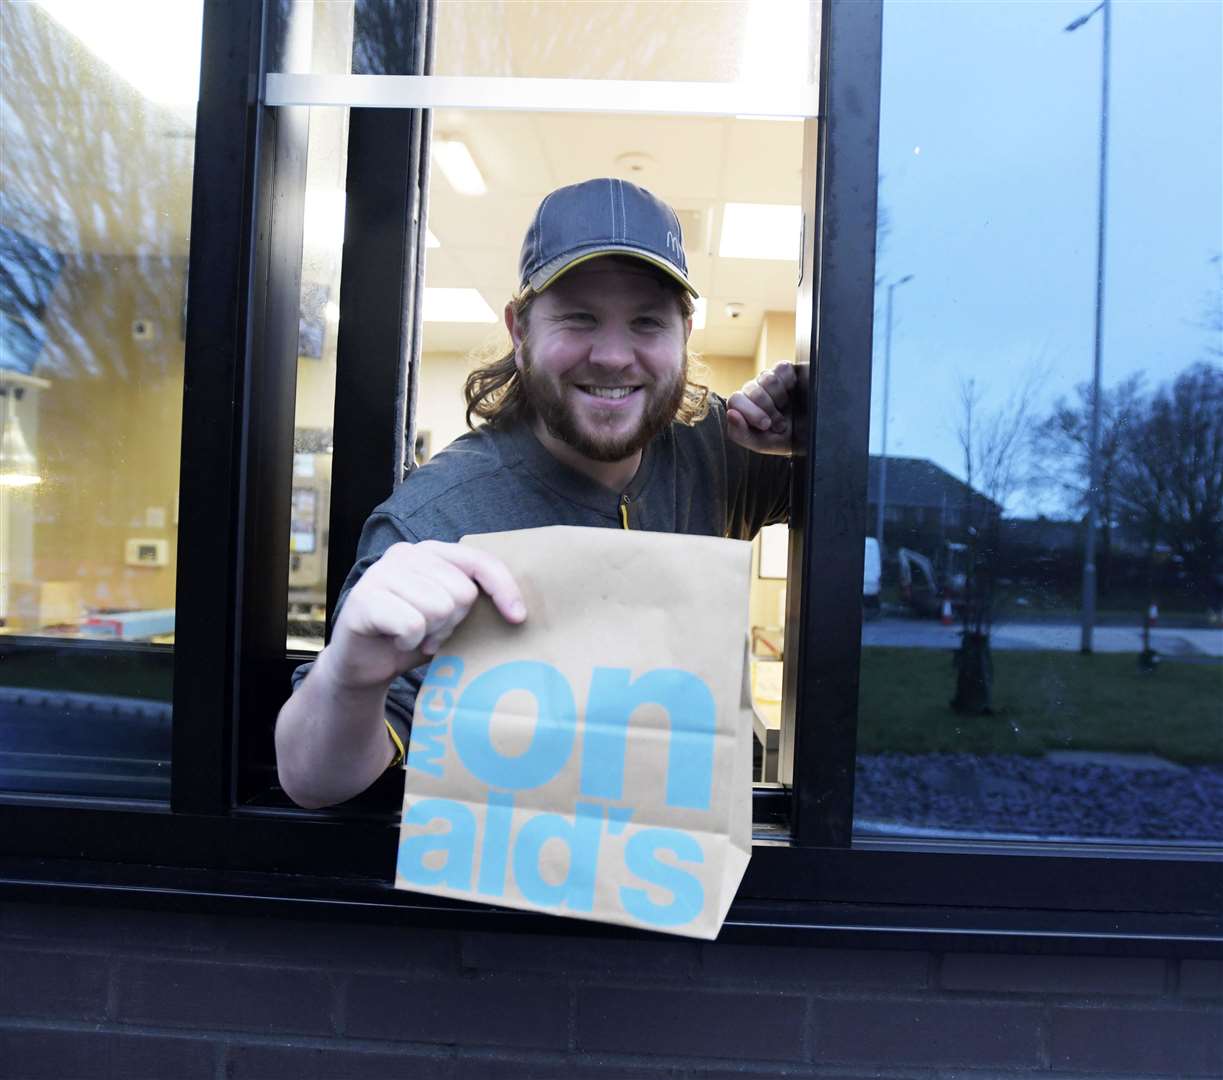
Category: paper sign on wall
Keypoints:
(594, 761)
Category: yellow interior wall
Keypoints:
(316, 390)
(110, 428)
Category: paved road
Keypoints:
(930, 634)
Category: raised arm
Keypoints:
(331, 737)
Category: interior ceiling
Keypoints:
(697, 164)
(92, 167)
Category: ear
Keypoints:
(515, 326)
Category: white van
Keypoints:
(872, 574)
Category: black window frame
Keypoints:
(220, 843)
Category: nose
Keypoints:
(612, 347)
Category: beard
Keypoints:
(546, 400)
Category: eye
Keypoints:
(578, 318)
(648, 322)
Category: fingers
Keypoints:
(416, 595)
(379, 613)
(740, 431)
(764, 401)
(491, 574)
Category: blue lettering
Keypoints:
(640, 856)
(427, 749)
(614, 697)
(551, 741)
(435, 705)
(496, 845)
(444, 671)
(426, 745)
(435, 699)
(458, 844)
(581, 837)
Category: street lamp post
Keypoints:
(887, 389)
(1093, 451)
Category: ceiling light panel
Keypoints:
(458, 166)
(760, 231)
(457, 306)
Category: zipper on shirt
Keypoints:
(624, 511)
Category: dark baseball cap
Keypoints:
(601, 217)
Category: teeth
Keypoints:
(609, 391)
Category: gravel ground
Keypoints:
(1104, 796)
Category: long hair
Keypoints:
(495, 393)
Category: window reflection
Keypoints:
(95, 191)
(981, 713)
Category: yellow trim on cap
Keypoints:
(632, 253)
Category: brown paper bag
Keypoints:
(594, 761)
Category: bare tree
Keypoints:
(1171, 473)
(1060, 452)
(994, 443)
(1212, 312)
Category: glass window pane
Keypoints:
(96, 152)
(981, 713)
(741, 41)
(328, 30)
(323, 237)
(735, 182)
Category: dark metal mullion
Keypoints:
(418, 281)
(267, 461)
(382, 231)
(218, 332)
(824, 610)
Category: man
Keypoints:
(590, 420)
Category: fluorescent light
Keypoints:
(458, 166)
(699, 307)
(431, 241)
(152, 44)
(760, 231)
(457, 306)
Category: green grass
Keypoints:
(1043, 701)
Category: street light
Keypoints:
(1093, 452)
(887, 389)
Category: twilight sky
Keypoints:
(989, 154)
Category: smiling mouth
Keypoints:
(609, 393)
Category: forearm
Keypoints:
(331, 740)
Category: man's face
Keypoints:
(605, 361)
